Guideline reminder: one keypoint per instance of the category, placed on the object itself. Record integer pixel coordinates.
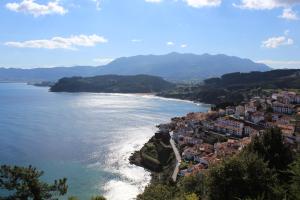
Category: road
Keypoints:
(178, 160)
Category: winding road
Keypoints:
(178, 160)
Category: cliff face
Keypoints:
(157, 156)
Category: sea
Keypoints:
(85, 137)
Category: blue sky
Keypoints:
(46, 33)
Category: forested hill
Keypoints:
(270, 79)
(113, 84)
(236, 87)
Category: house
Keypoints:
(230, 110)
(230, 147)
(230, 126)
(221, 112)
(240, 110)
(205, 148)
(189, 153)
(257, 117)
(250, 108)
(201, 160)
(192, 170)
(283, 108)
(191, 140)
(286, 97)
(208, 124)
(287, 130)
(248, 130)
(284, 120)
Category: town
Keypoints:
(204, 139)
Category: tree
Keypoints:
(294, 185)
(192, 196)
(24, 183)
(243, 176)
(92, 198)
(271, 148)
(98, 198)
(192, 184)
(157, 192)
(73, 198)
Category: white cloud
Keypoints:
(31, 7)
(170, 43)
(266, 4)
(103, 61)
(203, 3)
(136, 40)
(289, 14)
(153, 1)
(60, 42)
(98, 2)
(281, 64)
(183, 45)
(275, 42)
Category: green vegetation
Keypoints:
(112, 84)
(231, 89)
(294, 170)
(241, 177)
(157, 156)
(24, 183)
(266, 169)
(92, 198)
(189, 188)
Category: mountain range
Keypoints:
(172, 66)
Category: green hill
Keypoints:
(236, 87)
(112, 84)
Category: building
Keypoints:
(248, 130)
(250, 108)
(240, 110)
(283, 108)
(257, 117)
(230, 110)
(286, 97)
(230, 126)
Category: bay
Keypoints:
(85, 137)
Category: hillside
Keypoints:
(173, 67)
(235, 87)
(271, 79)
(112, 84)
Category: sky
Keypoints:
(48, 33)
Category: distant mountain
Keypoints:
(113, 84)
(173, 66)
(45, 74)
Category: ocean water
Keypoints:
(85, 137)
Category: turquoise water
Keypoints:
(84, 137)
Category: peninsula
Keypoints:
(113, 84)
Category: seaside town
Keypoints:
(204, 139)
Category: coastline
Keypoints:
(161, 168)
